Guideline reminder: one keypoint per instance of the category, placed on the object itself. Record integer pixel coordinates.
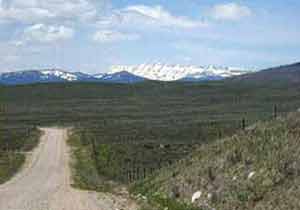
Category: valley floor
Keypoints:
(45, 182)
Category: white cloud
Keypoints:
(108, 36)
(156, 16)
(35, 11)
(46, 34)
(230, 11)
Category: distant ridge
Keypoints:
(286, 73)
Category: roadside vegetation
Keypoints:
(14, 143)
(84, 171)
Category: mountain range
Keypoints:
(123, 74)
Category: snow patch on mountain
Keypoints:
(60, 74)
(99, 76)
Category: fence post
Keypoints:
(219, 133)
(95, 152)
(243, 124)
(275, 111)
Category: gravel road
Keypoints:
(44, 183)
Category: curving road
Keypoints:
(45, 182)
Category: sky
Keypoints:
(92, 35)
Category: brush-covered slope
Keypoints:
(255, 169)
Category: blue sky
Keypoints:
(92, 35)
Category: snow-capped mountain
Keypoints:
(57, 75)
(42, 76)
(164, 72)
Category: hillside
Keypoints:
(282, 74)
(258, 168)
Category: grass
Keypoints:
(270, 152)
(13, 157)
(10, 163)
(13, 150)
(84, 173)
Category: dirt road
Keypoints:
(44, 183)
